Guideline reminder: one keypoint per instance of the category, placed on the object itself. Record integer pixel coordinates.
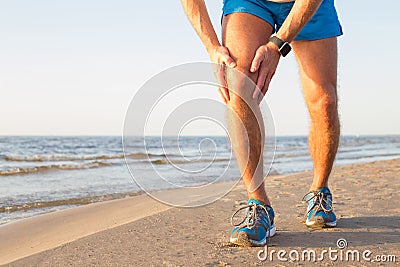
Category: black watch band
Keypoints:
(284, 47)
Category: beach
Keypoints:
(140, 231)
(41, 174)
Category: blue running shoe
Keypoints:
(319, 211)
(256, 227)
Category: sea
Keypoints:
(41, 174)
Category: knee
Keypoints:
(243, 65)
(241, 83)
(323, 104)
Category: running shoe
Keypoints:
(256, 227)
(319, 211)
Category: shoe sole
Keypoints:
(320, 223)
(244, 241)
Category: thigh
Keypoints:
(243, 34)
(317, 62)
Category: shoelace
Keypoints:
(251, 217)
(319, 201)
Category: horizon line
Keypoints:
(108, 135)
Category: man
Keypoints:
(255, 35)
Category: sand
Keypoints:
(139, 231)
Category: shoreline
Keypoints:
(50, 189)
(31, 235)
(29, 240)
(28, 236)
(44, 207)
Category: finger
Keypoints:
(224, 83)
(220, 75)
(255, 64)
(225, 92)
(257, 92)
(264, 89)
(227, 59)
(230, 62)
(222, 95)
(267, 83)
(260, 98)
(260, 82)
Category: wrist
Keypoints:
(211, 48)
(283, 47)
(273, 47)
(284, 37)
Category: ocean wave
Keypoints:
(146, 155)
(45, 168)
(181, 161)
(44, 158)
(63, 202)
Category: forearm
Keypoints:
(197, 14)
(300, 14)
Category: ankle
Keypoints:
(263, 199)
(316, 187)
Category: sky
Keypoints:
(70, 67)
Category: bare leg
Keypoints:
(243, 34)
(318, 69)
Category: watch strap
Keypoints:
(284, 47)
(276, 41)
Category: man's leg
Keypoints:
(318, 69)
(243, 34)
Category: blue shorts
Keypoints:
(323, 24)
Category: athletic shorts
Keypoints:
(324, 23)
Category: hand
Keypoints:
(265, 61)
(220, 55)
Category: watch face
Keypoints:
(285, 49)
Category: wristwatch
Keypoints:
(284, 47)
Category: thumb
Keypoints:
(230, 62)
